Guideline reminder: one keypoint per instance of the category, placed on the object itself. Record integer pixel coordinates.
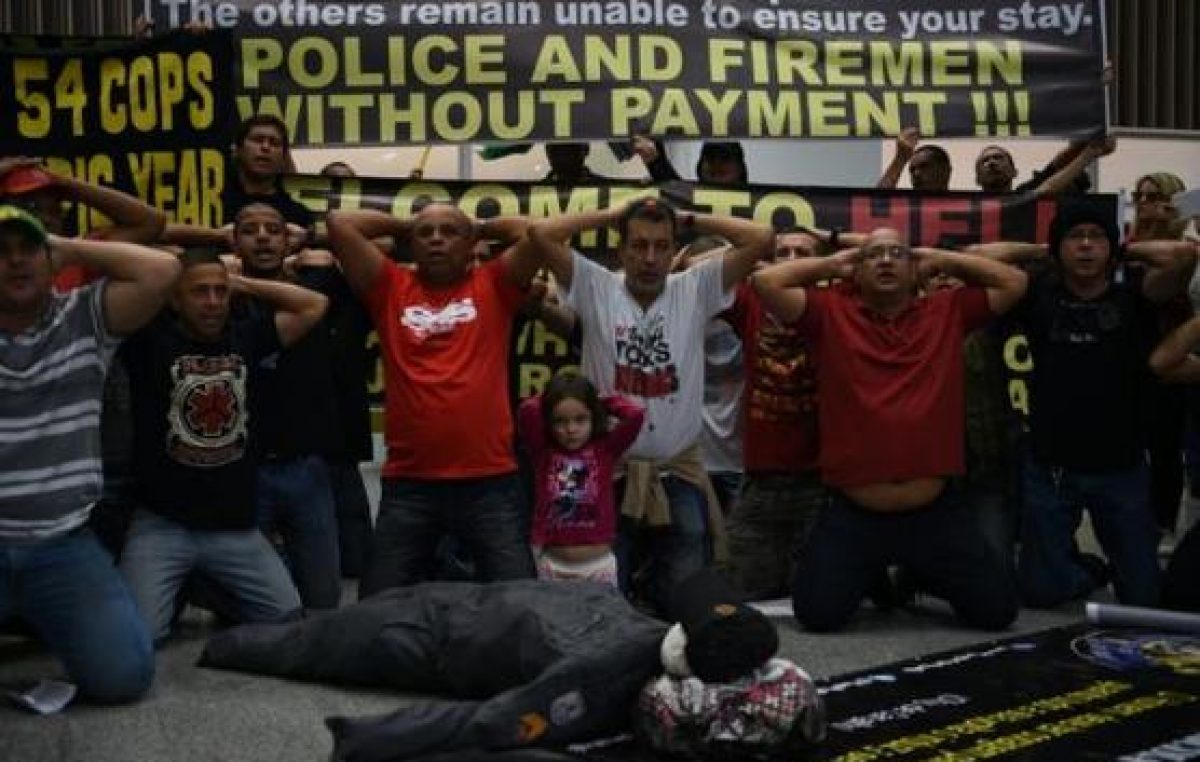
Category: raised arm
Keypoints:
(553, 235)
(140, 278)
(1066, 172)
(782, 287)
(182, 234)
(906, 145)
(297, 309)
(630, 415)
(1169, 266)
(1010, 252)
(521, 259)
(1172, 360)
(1004, 284)
(654, 156)
(134, 221)
(750, 242)
(350, 234)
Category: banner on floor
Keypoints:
(154, 118)
(1069, 693)
(369, 73)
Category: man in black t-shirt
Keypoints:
(260, 159)
(192, 373)
(309, 397)
(1090, 333)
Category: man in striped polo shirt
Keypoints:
(54, 352)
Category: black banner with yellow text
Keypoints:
(154, 118)
(401, 72)
(1074, 693)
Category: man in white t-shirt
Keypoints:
(643, 336)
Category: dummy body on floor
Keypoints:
(529, 665)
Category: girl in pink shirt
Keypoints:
(566, 431)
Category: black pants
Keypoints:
(940, 544)
(484, 514)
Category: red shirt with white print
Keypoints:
(445, 361)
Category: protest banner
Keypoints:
(154, 118)
(367, 73)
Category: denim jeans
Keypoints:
(414, 514)
(295, 499)
(940, 544)
(353, 517)
(668, 554)
(1048, 567)
(160, 553)
(69, 592)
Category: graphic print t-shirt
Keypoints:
(654, 355)
(193, 431)
(445, 355)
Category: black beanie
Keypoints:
(1074, 212)
(726, 639)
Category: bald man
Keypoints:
(444, 328)
(889, 362)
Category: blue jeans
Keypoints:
(1048, 567)
(295, 498)
(71, 595)
(669, 554)
(160, 554)
(414, 514)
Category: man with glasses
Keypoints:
(1091, 324)
(890, 390)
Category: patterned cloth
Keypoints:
(774, 712)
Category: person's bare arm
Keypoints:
(1004, 284)
(749, 242)
(297, 309)
(182, 234)
(140, 278)
(552, 236)
(1009, 252)
(1080, 159)
(350, 234)
(906, 145)
(1172, 360)
(134, 221)
(522, 259)
(1169, 266)
(782, 286)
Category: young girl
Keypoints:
(573, 451)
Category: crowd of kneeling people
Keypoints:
(820, 414)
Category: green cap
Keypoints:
(18, 217)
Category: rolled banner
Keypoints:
(1114, 615)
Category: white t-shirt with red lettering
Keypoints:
(656, 355)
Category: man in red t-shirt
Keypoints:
(444, 333)
(781, 494)
(890, 391)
